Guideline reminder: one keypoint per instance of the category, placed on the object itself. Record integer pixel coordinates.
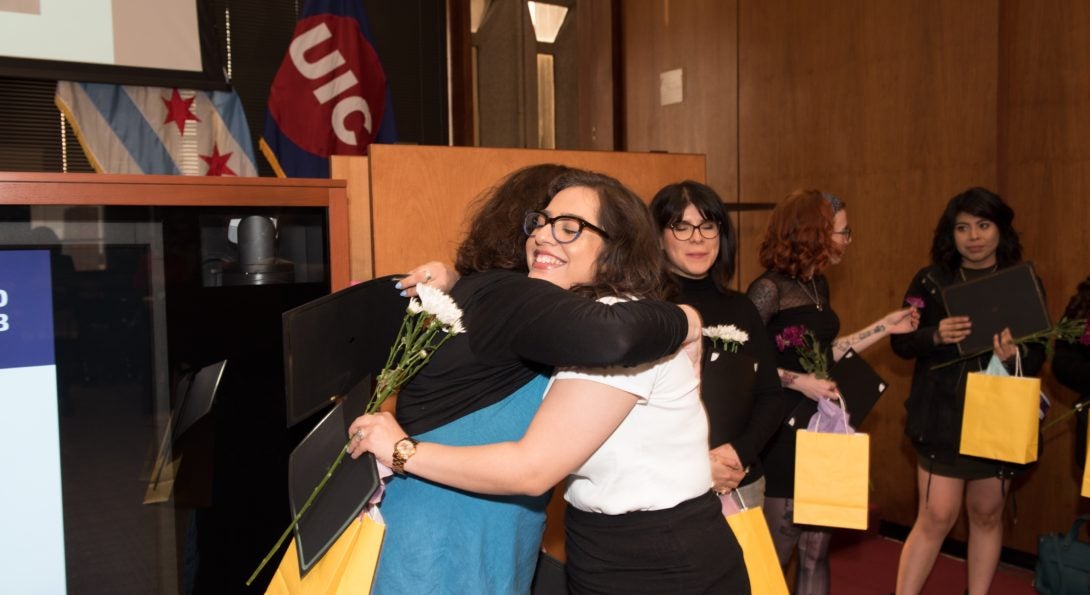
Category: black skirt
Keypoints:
(689, 548)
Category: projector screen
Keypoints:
(150, 42)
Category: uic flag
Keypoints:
(156, 130)
(329, 96)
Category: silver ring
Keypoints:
(427, 276)
(359, 435)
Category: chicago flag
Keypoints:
(156, 130)
(330, 95)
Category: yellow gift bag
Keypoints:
(1086, 471)
(1002, 414)
(762, 565)
(348, 567)
(832, 476)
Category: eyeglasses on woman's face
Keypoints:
(565, 228)
(683, 230)
(845, 233)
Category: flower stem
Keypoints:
(1066, 414)
(302, 510)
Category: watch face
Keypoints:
(405, 448)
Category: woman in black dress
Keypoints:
(808, 232)
(740, 388)
(974, 237)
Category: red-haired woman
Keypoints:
(807, 233)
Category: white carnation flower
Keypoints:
(735, 334)
(729, 335)
(441, 306)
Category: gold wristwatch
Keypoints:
(404, 449)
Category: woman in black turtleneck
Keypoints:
(741, 390)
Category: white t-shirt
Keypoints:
(658, 457)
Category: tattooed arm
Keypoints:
(897, 322)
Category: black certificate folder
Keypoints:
(348, 489)
(331, 343)
(859, 385)
(1010, 297)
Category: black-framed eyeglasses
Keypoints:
(846, 232)
(565, 228)
(683, 230)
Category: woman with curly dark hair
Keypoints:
(974, 237)
(807, 233)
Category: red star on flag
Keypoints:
(179, 110)
(217, 164)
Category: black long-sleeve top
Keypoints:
(517, 328)
(936, 399)
(745, 406)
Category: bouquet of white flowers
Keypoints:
(429, 322)
(730, 336)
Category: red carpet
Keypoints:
(868, 566)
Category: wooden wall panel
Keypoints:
(891, 106)
(699, 37)
(421, 196)
(594, 108)
(1044, 172)
(356, 172)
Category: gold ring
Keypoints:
(427, 276)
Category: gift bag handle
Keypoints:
(1017, 361)
(1073, 533)
(843, 411)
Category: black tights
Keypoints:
(812, 575)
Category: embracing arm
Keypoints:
(557, 327)
(576, 417)
(436, 273)
(561, 328)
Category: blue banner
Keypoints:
(26, 309)
(29, 429)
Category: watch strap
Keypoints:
(399, 459)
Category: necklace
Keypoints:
(816, 297)
(961, 270)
